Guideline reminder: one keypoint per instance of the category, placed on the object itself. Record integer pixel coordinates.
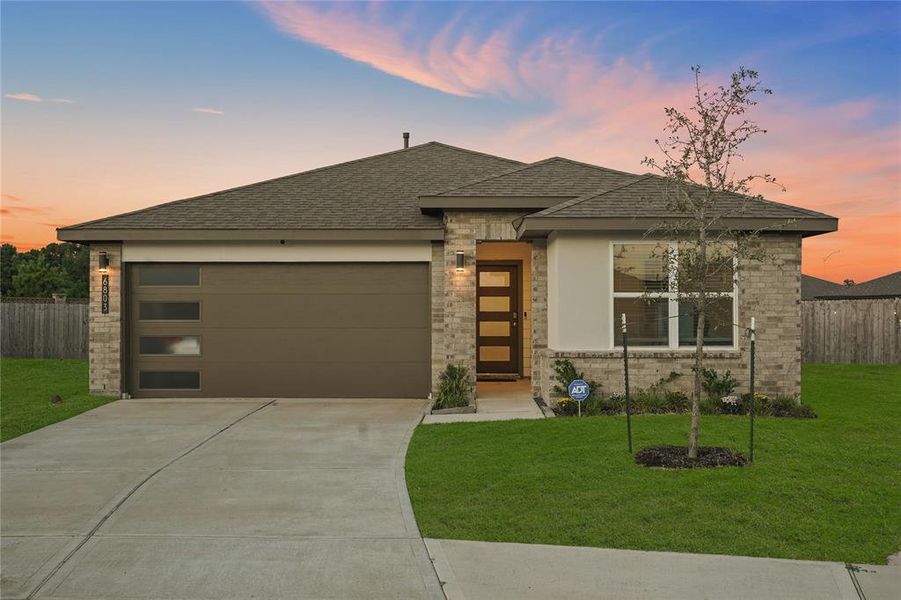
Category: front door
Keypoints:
(497, 318)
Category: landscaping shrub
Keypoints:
(780, 406)
(657, 399)
(453, 387)
(716, 385)
(565, 373)
(711, 406)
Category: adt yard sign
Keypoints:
(578, 390)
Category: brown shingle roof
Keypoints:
(643, 196)
(814, 287)
(378, 192)
(887, 286)
(546, 178)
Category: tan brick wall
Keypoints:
(105, 330)
(539, 312)
(768, 291)
(436, 275)
(457, 345)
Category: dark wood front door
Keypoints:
(497, 318)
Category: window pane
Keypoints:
(175, 344)
(647, 322)
(169, 380)
(494, 278)
(718, 330)
(494, 328)
(494, 353)
(639, 268)
(169, 275)
(169, 311)
(494, 303)
(717, 274)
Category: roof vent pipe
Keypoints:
(406, 139)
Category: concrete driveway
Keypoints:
(215, 499)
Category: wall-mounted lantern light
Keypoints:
(103, 263)
(459, 261)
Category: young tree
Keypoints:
(701, 190)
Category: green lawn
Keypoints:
(820, 489)
(27, 386)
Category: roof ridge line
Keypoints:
(461, 149)
(593, 166)
(521, 167)
(586, 197)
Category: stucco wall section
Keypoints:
(105, 330)
(770, 291)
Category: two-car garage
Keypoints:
(212, 329)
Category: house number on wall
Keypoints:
(104, 294)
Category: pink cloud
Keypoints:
(208, 111)
(610, 111)
(25, 96)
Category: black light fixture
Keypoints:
(103, 263)
(459, 261)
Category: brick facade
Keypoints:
(105, 330)
(770, 291)
(539, 313)
(457, 342)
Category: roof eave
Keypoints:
(108, 235)
(536, 227)
(434, 204)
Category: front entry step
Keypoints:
(497, 376)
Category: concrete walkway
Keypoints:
(497, 401)
(492, 571)
(215, 499)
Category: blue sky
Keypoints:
(288, 87)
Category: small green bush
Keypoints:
(716, 385)
(780, 406)
(565, 373)
(453, 387)
(710, 406)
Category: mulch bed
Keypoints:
(676, 457)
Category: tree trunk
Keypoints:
(696, 395)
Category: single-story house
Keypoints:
(887, 286)
(368, 278)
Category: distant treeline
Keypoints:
(40, 273)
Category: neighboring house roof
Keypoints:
(887, 286)
(641, 202)
(814, 287)
(399, 195)
(378, 192)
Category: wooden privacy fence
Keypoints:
(40, 328)
(861, 331)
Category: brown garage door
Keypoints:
(278, 330)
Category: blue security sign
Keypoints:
(578, 390)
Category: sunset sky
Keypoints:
(110, 107)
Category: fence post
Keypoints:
(626, 374)
(751, 409)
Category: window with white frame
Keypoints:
(645, 289)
